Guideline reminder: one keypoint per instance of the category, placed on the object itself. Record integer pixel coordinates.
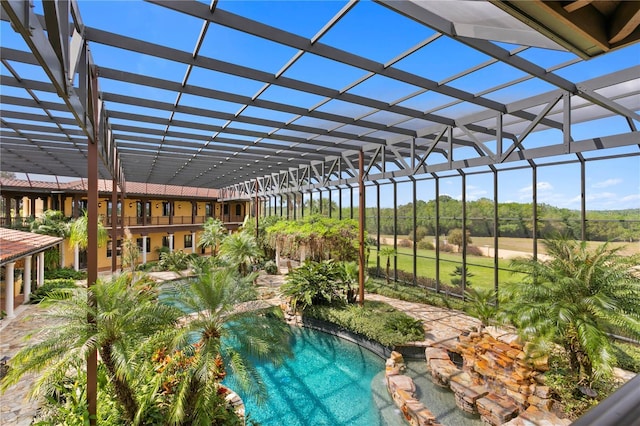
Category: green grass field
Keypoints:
(481, 267)
(526, 244)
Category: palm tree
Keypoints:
(54, 223)
(224, 325)
(388, 252)
(129, 323)
(240, 249)
(79, 232)
(51, 222)
(482, 305)
(573, 298)
(214, 233)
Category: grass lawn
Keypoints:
(526, 244)
(481, 267)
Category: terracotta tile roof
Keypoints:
(16, 244)
(20, 183)
(104, 186)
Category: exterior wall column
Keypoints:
(62, 255)
(40, 269)
(17, 212)
(7, 210)
(76, 257)
(32, 207)
(144, 249)
(27, 278)
(170, 243)
(193, 242)
(8, 289)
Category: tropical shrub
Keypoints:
(271, 268)
(50, 286)
(264, 222)
(404, 324)
(240, 249)
(376, 321)
(570, 301)
(482, 305)
(316, 283)
(175, 261)
(214, 232)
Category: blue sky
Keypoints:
(609, 184)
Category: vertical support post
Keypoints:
(378, 228)
(395, 230)
(340, 202)
(351, 200)
(361, 220)
(583, 199)
(114, 222)
(414, 212)
(257, 212)
(8, 288)
(495, 235)
(437, 190)
(464, 234)
(193, 242)
(92, 245)
(27, 278)
(534, 177)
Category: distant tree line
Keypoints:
(515, 220)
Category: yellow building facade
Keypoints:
(159, 217)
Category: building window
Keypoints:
(188, 241)
(148, 248)
(165, 241)
(109, 249)
(226, 209)
(238, 209)
(208, 211)
(166, 208)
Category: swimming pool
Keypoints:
(331, 381)
(327, 382)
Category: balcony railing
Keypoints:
(22, 223)
(166, 220)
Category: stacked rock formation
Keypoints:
(496, 380)
(402, 390)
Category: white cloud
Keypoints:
(606, 183)
(542, 186)
(632, 197)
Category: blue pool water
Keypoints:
(327, 382)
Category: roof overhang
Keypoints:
(587, 28)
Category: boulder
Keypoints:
(496, 410)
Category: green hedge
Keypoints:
(65, 273)
(376, 321)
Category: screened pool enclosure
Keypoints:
(503, 119)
